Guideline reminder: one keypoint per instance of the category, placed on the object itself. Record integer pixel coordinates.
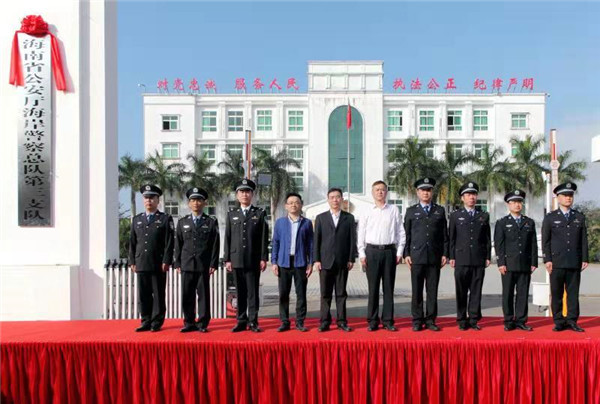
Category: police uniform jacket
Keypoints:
(426, 234)
(470, 238)
(564, 242)
(151, 244)
(516, 244)
(246, 238)
(197, 247)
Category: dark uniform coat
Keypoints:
(246, 238)
(516, 245)
(564, 242)
(470, 238)
(426, 234)
(197, 248)
(151, 244)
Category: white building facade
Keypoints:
(312, 126)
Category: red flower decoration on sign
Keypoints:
(34, 25)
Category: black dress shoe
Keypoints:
(255, 328)
(283, 327)
(575, 327)
(324, 327)
(372, 328)
(432, 327)
(344, 327)
(476, 327)
(301, 327)
(417, 327)
(189, 328)
(143, 328)
(155, 328)
(239, 327)
(509, 327)
(524, 327)
(390, 327)
(463, 327)
(558, 327)
(202, 328)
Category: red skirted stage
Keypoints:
(106, 362)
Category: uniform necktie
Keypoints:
(196, 221)
(518, 221)
(245, 212)
(471, 213)
(150, 218)
(427, 209)
(567, 215)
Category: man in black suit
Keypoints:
(196, 258)
(515, 242)
(334, 255)
(150, 255)
(425, 252)
(470, 252)
(246, 253)
(565, 247)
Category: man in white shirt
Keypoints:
(381, 241)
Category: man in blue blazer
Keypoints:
(291, 257)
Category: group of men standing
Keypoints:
(426, 240)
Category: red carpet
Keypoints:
(106, 362)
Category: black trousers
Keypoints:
(381, 269)
(560, 279)
(195, 283)
(332, 278)
(515, 312)
(428, 276)
(298, 275)
(151, 294)
(247, 284)
(469, 283)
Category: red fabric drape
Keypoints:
(36, 26)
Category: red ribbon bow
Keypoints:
(36, 26)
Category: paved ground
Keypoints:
(491, 302)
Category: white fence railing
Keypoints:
(121, 297)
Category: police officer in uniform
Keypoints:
(565, 248)
(515, 242)
(150, 255)
(246, 253)
(197, 250)
(425, 252)
(470, 253)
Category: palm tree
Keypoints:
(496, 174)
(281, 180)
(448, 174)
(233, 170)
(200, 175)
(168, 177)
(132, 174)
(529, 163)
(409, 162)
(570, 171)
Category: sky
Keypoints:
(556, 43)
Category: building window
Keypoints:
(207, 151)
(397, 202)
(266, 147)
(454, 120)
(232, 203)
(296, 151)
(235, 149)
(170, 150)
(264, 120)
(457, 150)
(209, 121)
(481, 205)
(298, 178)
(296, 121)
(518, 121)
(480, 120)
(392, 188)
(430, 151)
(170, 122)
(513, 149)
(235, 121)
(478, 150)
(426, 121)
(172, 208)
(210, 210)
(394, 121)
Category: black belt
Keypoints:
(382, 246)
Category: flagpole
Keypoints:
(348, 124)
